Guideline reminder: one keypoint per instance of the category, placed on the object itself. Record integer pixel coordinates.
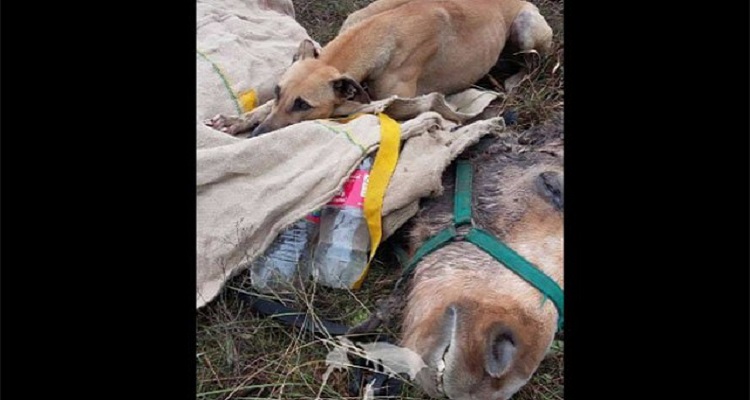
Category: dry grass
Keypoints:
(541, 93)
(240, 356)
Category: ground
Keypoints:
(240, 356)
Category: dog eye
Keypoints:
(277, 91)
(301, 105)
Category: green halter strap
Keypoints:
(487, 242)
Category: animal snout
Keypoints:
(261, 129)
(472, 348)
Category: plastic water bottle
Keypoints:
(288, 260)
(342, 252)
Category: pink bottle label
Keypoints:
(313, 217)
(353, 193)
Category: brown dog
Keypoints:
(400, 47)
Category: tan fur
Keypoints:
(406, 48)
(483, 293)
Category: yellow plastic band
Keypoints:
(249, 100)
(380, 176)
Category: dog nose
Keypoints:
(260, 129)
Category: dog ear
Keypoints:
(347, 88)
(306, 50)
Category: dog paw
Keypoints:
(222, 123)
(229, 125)
(237, 125)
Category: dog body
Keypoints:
(424, 46)
(404, 48)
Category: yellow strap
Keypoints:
(380, 176)
(249, 100)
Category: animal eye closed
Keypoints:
(550, 186)
(277, 91)
(301, 105)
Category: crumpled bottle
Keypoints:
(342, 252)
(286, 264)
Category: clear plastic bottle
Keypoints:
(342, 251)
(286, 264)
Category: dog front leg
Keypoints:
(240, 124)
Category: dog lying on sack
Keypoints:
(399, 48)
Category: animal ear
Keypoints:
(306, 49)
(550, 186)
(347, 88)
(499, 353)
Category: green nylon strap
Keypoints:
(441, 239)
(401, 255)
(516, 263)
(462, 199)
(486, 242)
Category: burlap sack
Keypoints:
(243, 46)
(248, 190)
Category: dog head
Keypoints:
(309, 89)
